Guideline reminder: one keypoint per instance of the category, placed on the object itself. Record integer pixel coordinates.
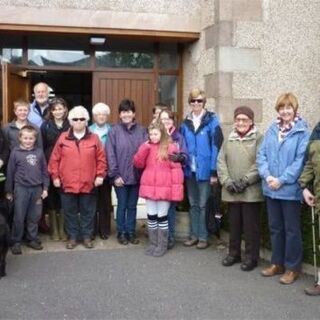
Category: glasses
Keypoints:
(238, 120)
(196, 100)
(78, 119)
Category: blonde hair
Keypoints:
(19, 103)
(196, 92)
(164, 139)
(287, 99)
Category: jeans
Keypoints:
(285, 231)
(27, 206)
(79, 212)
(127, 208)
(198, 194)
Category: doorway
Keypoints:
(74, 87)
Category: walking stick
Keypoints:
(318, 246)
(314, 246)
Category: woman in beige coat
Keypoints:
(241, 188)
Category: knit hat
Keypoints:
(244, 110)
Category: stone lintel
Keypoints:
(219, 84)
(226, 106)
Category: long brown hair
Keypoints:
(164, 139)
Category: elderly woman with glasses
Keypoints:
(78, 165)
(203, 135)
(241, 188)
(100, 113)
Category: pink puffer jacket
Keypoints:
(161, 179)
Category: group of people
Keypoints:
(55, 155)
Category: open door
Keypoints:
(112, 87)
(14, 85)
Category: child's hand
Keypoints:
(44, 194)
(9, 196)
(57, 183)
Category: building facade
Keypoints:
(239, 51)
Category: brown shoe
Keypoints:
(202, 244)
(88, 243)
(272, 270)
(289, 277)
(190, 243)
(71, 244)
(313, 291)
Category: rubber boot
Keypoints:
(162, 246)
(62, 233)
(153, 241)
(54, 233)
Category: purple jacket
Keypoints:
(121, 146)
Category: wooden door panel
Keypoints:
(112, 87)
(15, 85)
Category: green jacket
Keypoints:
(237, 159)
(310, 176)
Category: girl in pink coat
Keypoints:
(161, 183)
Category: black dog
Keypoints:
(4, 237)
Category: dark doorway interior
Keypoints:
(74, 87)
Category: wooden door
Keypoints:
(112, 87)
(14, 85)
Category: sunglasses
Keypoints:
(78, 119)
(196, 100)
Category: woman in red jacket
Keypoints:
(161, 183)
(77, 166)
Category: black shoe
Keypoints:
(171, 243)
(133, 239)
(104, 236)
(34, 245)
(248, 265)
(122, 239)
(230, 261)
(16, 248)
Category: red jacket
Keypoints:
(161, 179)
(77, 162)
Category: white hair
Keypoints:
(101, 107)
(41, 84)
(78, 112)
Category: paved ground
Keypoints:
(117, 282)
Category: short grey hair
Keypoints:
(101, 107)
(77, 112)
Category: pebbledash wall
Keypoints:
(249, 51)
(262, 49)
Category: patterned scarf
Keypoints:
(284, 128)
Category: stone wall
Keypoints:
(264, 48)
(176, 7)
(199, 58)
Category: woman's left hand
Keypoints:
(44, 194)
(213, 180)
(98, 181)
(275, 184)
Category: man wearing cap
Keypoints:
(241, 188)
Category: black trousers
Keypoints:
(244, 217)
(104, 208)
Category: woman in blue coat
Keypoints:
(202, 133)
(280, 163)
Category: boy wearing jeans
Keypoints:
(27, 184)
